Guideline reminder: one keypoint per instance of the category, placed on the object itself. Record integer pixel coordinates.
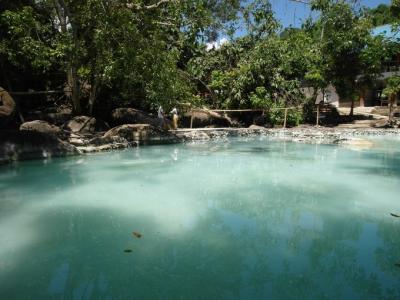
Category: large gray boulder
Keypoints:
(207, 118)
(24, 144)
(121, 116)
(40, 126)
(85, 125)
(57, 115)
(80, 124)
(101, 144)
(142, 134)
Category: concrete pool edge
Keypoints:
(317, 135)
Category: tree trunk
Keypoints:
(64, 16)
(391, 103)
(93, 95)
(73, 82)
(352, 107)
(362, 97)
(315, 95)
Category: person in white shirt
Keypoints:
(160, 115)
(174, 113)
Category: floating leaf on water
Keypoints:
(128, 250)
(394, 215)
(137, 234)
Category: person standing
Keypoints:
(160, 116)
(175, 118)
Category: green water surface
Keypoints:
(244, 219)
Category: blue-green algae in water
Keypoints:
(244, 219)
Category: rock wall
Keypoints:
(7, 107)
(206, 118)
(20, 145)
(121, 116)
(143, 134)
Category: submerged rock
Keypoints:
(142, 134)
(356, 144)
(21, 145)
(137, 234)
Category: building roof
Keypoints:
(387, 31)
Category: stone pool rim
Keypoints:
(300, 134)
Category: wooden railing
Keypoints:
(35, 93)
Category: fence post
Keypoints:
(317, 115)
(191, 119)
(284, 122)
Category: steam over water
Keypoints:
(244, 219)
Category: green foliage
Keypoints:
(259, 18)
(145, 53)
(27, 40)
(392, 86)
(392, 91)
(241, 69)
(117, 49)
(276, 115)
(295, 117)
(275, 112)
(344, 40)
(261, 99)
(384, 14)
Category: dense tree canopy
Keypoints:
(143, 53)
(384, 14)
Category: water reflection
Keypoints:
(233, 221)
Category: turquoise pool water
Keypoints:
(245, 219)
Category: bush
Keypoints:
(277, 116)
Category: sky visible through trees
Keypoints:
(293, 14)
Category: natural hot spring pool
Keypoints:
(249, 219)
